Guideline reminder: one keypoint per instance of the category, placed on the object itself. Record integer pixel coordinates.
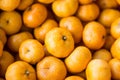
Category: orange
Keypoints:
(98, 69)
(14, 41)
(3, 36)
(51, 68)
(31, 51)
(77, 61)
(74, 25)
(85, 1)
(94, 35)
(59, 42)
(102, 54)
(118, 1)
(107, 4)
(41, 31)
(74, 77)
(34, 15)
(10, 21)
(107, 16)
(88, 12)
(108, 42)
(115, 28)
(115, 48)
(5, 60)
(20, 70)
(115, 68)
(64, 8)
(24, 4)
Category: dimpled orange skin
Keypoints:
(77, 61)
(34, 15)
(88, 12)
(59, 42)
(94, 35)
(74, 25)
(64, 8)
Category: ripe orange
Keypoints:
(102, 54)
(85, 1)
(74, 25)
(59, 42)
(1, 48)
(74, 77)
(3, 36)
(98, 69)
(46, 1)
(41, 31)
(115, 68)
(115, 28)
(77, 61)
(31, 51)
(88, 12)
(107, 16)
(20, 70)
(94, 35)
(51, 68)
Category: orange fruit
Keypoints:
(102, 54)
(14, 41)
(3, 36)
(74, 77)
(64, 8)
(51, 68)
(107, 4)
(107, 16)
(115, 49)
(24, 4)
(46, 1)
(31, 51)
(85, 1)
(118, 1)
(77, 61)
(98, 69)
(34, 15)
(20, 70)
(115, 68)
(74, 25)
(5, 60)
(59, 42)
(108, 42)
(115, 28)
(41, 31)
(91, 8)
(94, 35)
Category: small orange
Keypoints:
(102, 54)
(20, 70)
(41, 31)
(77, 61)
(31, 51)
(85, 1)
(94, 35)
(46, 1)
(1, 48)
(74, 25)
(59, 42)
(65, 8)
(107, 4)
(88, 12)
(115, 49)
(98, 69)
(115, 28)
(74, 77)
(51, 68)
(115, 68)
(5, 60)
(107, 16)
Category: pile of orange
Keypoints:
(59, 39)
